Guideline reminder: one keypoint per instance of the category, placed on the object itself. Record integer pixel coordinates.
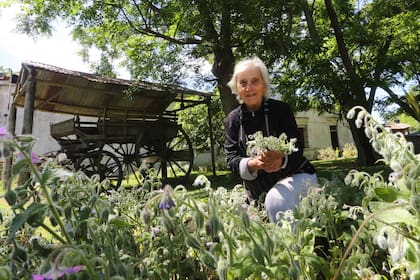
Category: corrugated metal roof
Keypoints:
(65, 91)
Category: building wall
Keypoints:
(5, 88)
(41, 125)
(318, 133)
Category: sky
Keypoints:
(58, 50)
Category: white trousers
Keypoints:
(286, 194)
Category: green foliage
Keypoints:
(365, 227)
(381, 41)
(375, 45)
(156, 39)
(393, 205)
(195, 122)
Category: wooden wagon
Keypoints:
(111, 132)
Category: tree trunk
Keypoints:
(366, 155)
(222, 69)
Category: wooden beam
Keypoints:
(213, 161)
(86, 88)
(28, 121)
(82, 110)
(28, 110)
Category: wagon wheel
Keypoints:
(174, 157)
(127, 154)
(103, 163)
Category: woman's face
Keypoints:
(251, 88)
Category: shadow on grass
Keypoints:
(222, 179)
(324, 168)
(340, 167)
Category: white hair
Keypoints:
(246, 64)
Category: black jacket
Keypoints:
(280, 119)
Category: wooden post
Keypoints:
(28, 121)
(8, 160)
(28, 109)
(213, 162)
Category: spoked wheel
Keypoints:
(127, 155)
(173, 158)
(103, 163)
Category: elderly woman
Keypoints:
(283, 178)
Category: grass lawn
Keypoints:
(327, 168)
(324, 169)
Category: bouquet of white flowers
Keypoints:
(259, 144)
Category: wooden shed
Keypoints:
(52, 89)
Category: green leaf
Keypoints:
(208, 259)
(319, 263)
(386, 194)
(11, 197)
(21, 218)
(119, 222)
(396, 215)
(17, 167)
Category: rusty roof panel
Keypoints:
(65, 91)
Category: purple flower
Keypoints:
(55, 274)
(3, 133)
(167, 202)
(34, 157)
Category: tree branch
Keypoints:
(404, 105)
(335, 25)
(149, 32)
(311, 23)
(379, 68)
(210, 30)
(140, 13)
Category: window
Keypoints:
(304, 134)
(334, 136)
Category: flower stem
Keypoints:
(46, 195)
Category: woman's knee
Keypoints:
(276, 202)
(286, 194)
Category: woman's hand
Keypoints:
(255, 164)
(272, 161)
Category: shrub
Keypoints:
(327, 153)
(349, 150)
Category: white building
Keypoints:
(42, 120)
(322, 131)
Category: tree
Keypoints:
(344, 51)
(326, 55)
(157, 37)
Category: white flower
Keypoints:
(350, 114)
(359, 123)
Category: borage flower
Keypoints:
(166, 202)
(55, 274)
(34, 157)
